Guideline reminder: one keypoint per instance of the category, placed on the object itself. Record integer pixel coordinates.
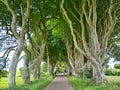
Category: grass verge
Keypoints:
(87, 84)
(33, 85)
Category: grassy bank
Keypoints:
(33, 85)
(87, 84)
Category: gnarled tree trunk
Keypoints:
(13, 66)
(92, 49)
(19, 36)
(37, 61)
(37, 71)
(26, 74)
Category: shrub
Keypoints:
(117, 66)
(3, 73)
(114, 72)
(108, 72)
(118, 72)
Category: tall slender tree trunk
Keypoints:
(48, 65)
(37, 71)
(12, 69)
(71, 57)
(48, 61)
(69, 69)
(39, 60)
(26, 74)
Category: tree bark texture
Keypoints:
(37, 61)
(26, 74)
(93, 49)
(37, 71)
(12, 69)
(20, 37)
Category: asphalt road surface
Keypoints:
(60, 82)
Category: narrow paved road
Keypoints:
(60, 82)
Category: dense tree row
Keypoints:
(81, 34)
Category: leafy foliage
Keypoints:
(46, 23)
(3, 73)
(117, 66)
(114, 72)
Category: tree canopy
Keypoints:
(79, 34)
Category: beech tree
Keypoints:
(43, 12)
(20, 36)
(75, 59)
(81, 36)
(97, 20)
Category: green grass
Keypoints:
(33, 85)
(87, 84)
(3, 82)
(113, 78)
